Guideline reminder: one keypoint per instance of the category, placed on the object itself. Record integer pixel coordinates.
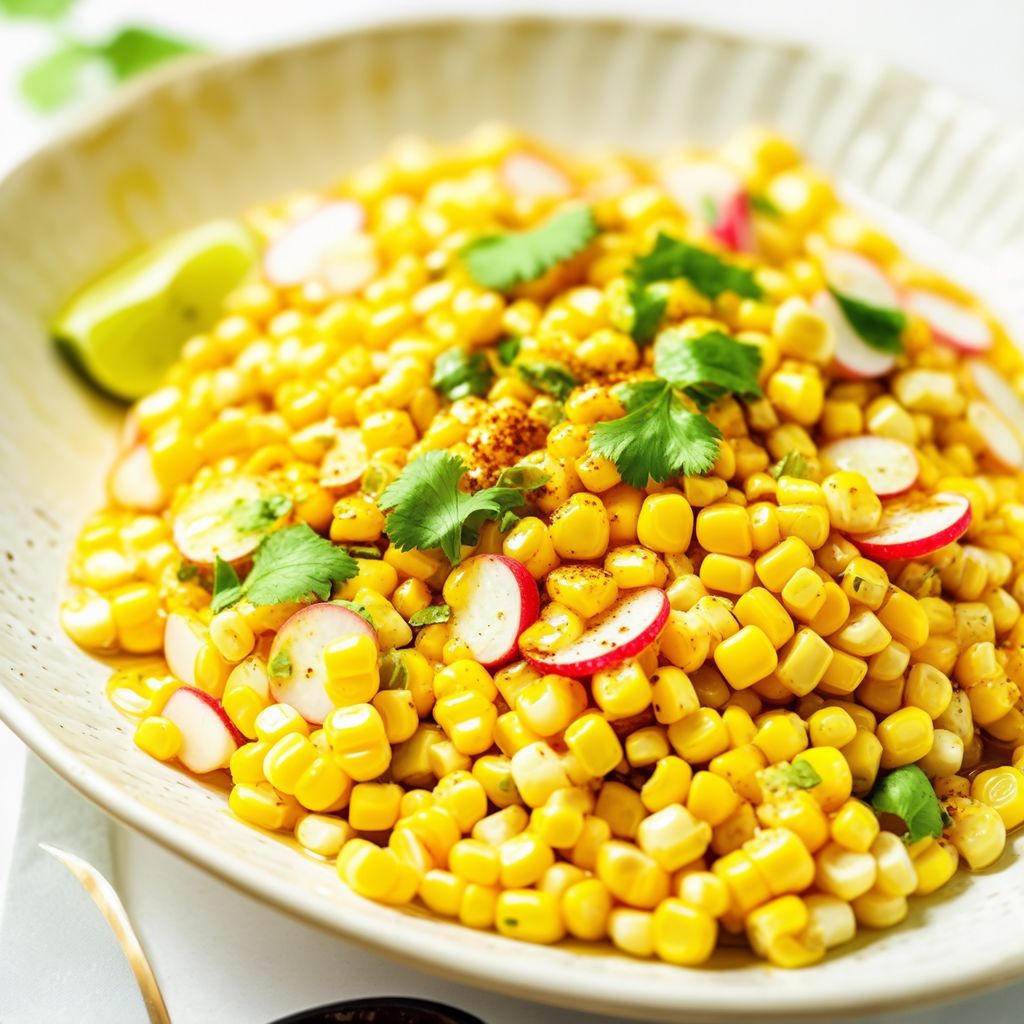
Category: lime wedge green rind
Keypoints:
(124, 330)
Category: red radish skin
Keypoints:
(133, 482)
(916, 526)
(328, 245)
(888, 465)
(530, 176)
(734, 228)
(854, 358)
(951, 323)
(714, 196)
(302, 639)
(209, 737)
(184, 637)
(501, 600)
(1002, 442)
(631, 624)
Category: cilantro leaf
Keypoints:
(44, 10)
(187, 571)
(502, 261)
(431, 614)
(279, 666)
(258, 513)
(367, 551)
(135, 49)
(394, 672)
(547, 375)
(426, 509)
(548, 410)
(508, 349)
(760, 203)
(784, 778)
(709, 367)
(360, 609)
(458, 373)
(708, 273)
(292, 563)
(791, 464)
(649, 305)
(658, 438)
(53, 81)
(226, 587)
(523, 476)
(907, 794)
(877, 326)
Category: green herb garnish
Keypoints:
(508, 349)
(430, 615)
(249, 516)
(427, 509)
(504, 260)
(187, 571)
(791, 464)
(784, 778)
(907, 794)
(709, 367)
(876, 326)
(546, 375)
(355, 606)
(367, 551)
(760, 203)
(279, 666)
(458, 373)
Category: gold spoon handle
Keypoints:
(104, 896)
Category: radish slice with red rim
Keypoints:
(631, 624)
(916, 525)
(133, 482)
(950, 322)
(296, 662)
(184, 637)
(859, 278)
(530, 176)
(1002, 442)
(209, 737)
(493, 599)
(853, 357)
(329, 245)
(999, 392)
(714, 196)
(888, 465)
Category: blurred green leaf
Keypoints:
(43, 9)
(52, 82)
(135, 49)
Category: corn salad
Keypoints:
(828, 605)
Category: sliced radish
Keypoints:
(209, 737)
(345, 462)
(205, 528)
(133, 483)
(530, 176)
(296, 663)
(890, 466)
(999, 392)
(951, 323)
(859, 278)
(714, 196)
(329, 245)
(1001, 440)
(633, 622)
(853, 356)
(916, 526)
(493, 599)
(184, 637)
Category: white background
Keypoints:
(975, 47)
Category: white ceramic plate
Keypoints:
(218, 136)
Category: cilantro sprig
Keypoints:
(458, 373)
(907, 794)
(504, 260)
(430, 615)
(670, 259)
(877, 326)
(427, 509)
(289, 565)
(791, 464)
(659, 437)
(258, 513)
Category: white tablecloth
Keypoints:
(221, 956)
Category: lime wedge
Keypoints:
(125, 329)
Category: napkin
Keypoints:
(59, 960)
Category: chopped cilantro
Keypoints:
(367, 551)
(907, 794)
(279, 666)
(546, 375)
(394, 673)
(783, 778)
(508, 349)
(187, 571)
(502, 261)
(458, 373)
(430, 615)
(250, 516)
(791, 464)
(760, 203)
(360, 609)
(876, 326)
(226, 587)
(523, 476)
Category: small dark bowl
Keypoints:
(381, 1011)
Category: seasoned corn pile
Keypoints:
(762, 471)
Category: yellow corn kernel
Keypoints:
(686, 640)
(468, 719)
(781, 736)
(397, 710)
(464, 675)
(834, 771)
(359, 742)
(259, 804)
(844, 873)
(906, 736)
(631, 875)
(700, 736)
(903, 616)
(775, 567)
(511, 733)
(764, 523)
(978, 832)
(711, 798)
(862, 635)
(547, 706)
(246, 764)
(597, 472)
(632, 931)
(843, 674)
(665, 523)
(586, 906)
(746, 657)
(669, 783)
(683, 934)
(635, 566)
(673, 836)
(377, 873)
(529, 542)
(279, 720)
(352, 674)
(935, 863)
(524, 859)
(831, 727)
(374, 806)
(852, 505)
(580, 528)
(356, 519)
(759, 607)
(89, 621)
(529, 915)
(701, 491)
(159, 737)
(586, 590)
(538, 771)
(463, 797)
(725, 530)
(928, 689)
(803, 662)
(1002, 789)
(322, 834)
(865, 583)
(727, 573)
(799, 812)
(623, 690)
(804, 594)
(286, 760)
(855, 827)
(863, 755)
(896, 875)
(475, 861)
